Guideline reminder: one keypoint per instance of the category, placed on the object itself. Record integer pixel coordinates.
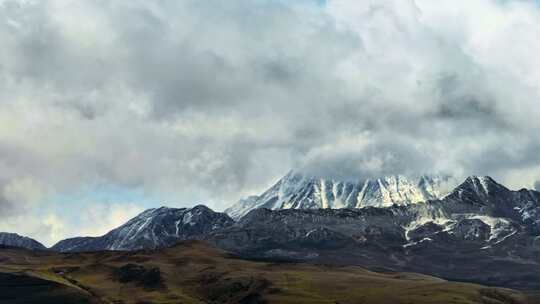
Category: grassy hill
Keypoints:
(194, 272)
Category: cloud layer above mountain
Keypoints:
(206, 101)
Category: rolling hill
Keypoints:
(195, 272)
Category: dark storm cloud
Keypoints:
(208, 101)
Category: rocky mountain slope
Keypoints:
(481, 232)
(299, 191)
(154, 228)
(15, 240)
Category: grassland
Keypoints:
(194, 272)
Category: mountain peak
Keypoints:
(153, 228)
(201, 207)
(481, 183)
(15, 240)
(298, 190)
(478, 188)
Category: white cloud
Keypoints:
(95, 220)
(99, 219)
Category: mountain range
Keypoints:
(480, 231)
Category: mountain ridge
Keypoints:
(153, 228)
(16, 240)
(297, 190)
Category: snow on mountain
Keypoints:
(478, 231)
(153, 228)
(482, 205)
(15, 240)
(479, 209)
(299, 191)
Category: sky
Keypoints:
(111, 107)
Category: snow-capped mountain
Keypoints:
(299, 191)
(480, 231)
(154, 228)
(15, 240)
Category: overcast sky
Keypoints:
(111, 107)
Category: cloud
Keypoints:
(100, 218)
(187, 102)
(48, 227)
(19, 195)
